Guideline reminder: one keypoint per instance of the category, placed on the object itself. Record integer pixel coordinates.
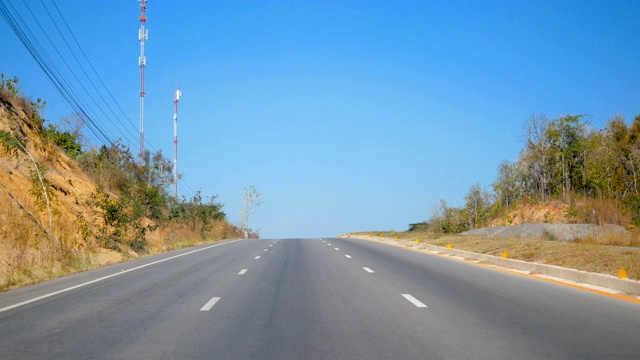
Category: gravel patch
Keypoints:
(562, 232)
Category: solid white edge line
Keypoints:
(210, 304)
(368, 270)
(348, 256)
(414, 301)
(107, 277)
(243, 271)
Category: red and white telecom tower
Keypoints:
(175, 142)
(143, 35)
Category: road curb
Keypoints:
(627, 286)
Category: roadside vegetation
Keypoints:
(67, 206)
(575, 173)
(566, 172)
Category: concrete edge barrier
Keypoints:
(627, 286)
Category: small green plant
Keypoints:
(65, 140)
(9, 85)
(11, 145)
(35, 108)
(41, 188)
(83, 227)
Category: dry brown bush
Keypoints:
(599, 211)
(631, 239)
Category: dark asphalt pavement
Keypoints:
(311, 299)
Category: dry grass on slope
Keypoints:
(585, 255)
(32, 249)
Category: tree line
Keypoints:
(594, 171)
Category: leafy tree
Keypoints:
(566, 136)
(507, 187)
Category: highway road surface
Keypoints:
(311, 299)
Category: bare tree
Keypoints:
(438, 213)
(251, 199)
(477, 203)
(536, 155)
(75, 126)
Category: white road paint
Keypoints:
(329, 244)
(210, 304)
(243, 271)
(336, 248)
(266, 249)
(348, 256)
(108, 277)
(271, 245)
(414, 301)
(368, 270)
(257, 257)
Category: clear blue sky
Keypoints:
(345, 115)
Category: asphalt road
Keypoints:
(311, 299)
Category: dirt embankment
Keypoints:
(42, 237)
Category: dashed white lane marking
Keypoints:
(257, 257)
(414, 301)
(336, 248)
(108, 277)
(368, 270)
(210, 304)
(243, 271)
(271, 245)
(266, 249)
(329, 244)
(348, 256)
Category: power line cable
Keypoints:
(83, 69)
(91, 64)
(17, 24)
(73, 73)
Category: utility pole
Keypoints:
(175, 142)
(143, 35)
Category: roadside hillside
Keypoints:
(39, 240)
(554, 212)
(56, 217)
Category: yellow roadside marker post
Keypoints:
(505, 255)
(448, 246)
(622, 274)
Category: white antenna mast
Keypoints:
(178, 93)
(143, 35)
